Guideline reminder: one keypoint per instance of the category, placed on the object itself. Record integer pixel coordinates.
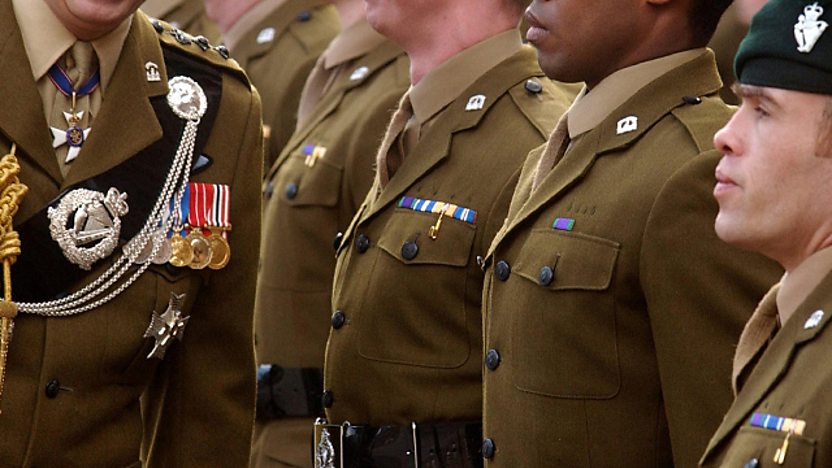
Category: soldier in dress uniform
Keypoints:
(141, 150)
(187, 15)
(402, 373)
(610, 306)
(277, 43)
(774, 198)
(311, 193)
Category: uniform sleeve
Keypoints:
(201, 404)
(700, 292)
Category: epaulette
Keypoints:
(198, 46)
(542, 101)
(702, 116)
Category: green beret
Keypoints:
(788, 46)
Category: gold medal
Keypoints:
(201, 249)
(180, 251)
(221, 251)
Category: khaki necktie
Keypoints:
(312, 91)
(757, 332)
(79, 64)
(390, 156)
(554, 151)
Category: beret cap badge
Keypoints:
(809, 28)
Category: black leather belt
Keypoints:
(288, 392)
(434, 445)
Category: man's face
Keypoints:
(583, 40)
(774, 182)
(91, 19)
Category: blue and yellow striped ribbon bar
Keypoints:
(778, 423)
(432, 206)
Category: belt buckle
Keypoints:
(329, 449)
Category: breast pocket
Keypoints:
(419, 310)
(755, 443)
(312, 179)
(564, 324)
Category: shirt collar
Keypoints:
(46, 39)
(800, 282)
(249, 20)
(442, 85)
(353, 42)
(591, 108)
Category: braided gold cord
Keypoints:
(11, 193)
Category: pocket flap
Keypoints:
(406, 238)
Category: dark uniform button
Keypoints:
(492, 359)
(304, 16)
(269, 190)
(362, 243)
(409, 250)
(52, 388)
(534, 86)
(488, 448)
(291, 190)
(692, 100)
(547, 275)
(337, 242)
(753, 463)
(327, 399)
(157, 25)
(502, 270)
(338, 319)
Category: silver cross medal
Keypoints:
(73, 136)
(164, 328)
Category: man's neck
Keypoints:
(349, 11)
(230, 12)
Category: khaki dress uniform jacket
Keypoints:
(408, 348)
(609, 332)
(307, 202)
(79, 390)
(791, 379)
(278, 54)
(187, 15)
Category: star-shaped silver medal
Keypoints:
(163, 328)
(74, 135)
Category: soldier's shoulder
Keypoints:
(543, 101)
(315, 26)
(702, 117)
(197, 47)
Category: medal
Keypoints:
(180, 251)
(201, 249)
(221, 251)
(74, 136)
(164, 253)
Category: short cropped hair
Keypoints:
(705, 16)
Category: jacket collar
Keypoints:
(654, 101)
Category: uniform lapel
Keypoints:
(126, 123)
(436, 143)
(774, 362)
(654, 101)
(29, 130)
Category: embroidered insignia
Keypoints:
(627, 125)
(164, 328)
(95, 219)
(563, 224)
(432, 206)
(813, 320)
(265, 35)
(777, 423)
(152, 71)
(809, 28)
(475, 103)
(312, 153)
(325, 451)
(186, 98)
(359, 73)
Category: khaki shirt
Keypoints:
(596, 287)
